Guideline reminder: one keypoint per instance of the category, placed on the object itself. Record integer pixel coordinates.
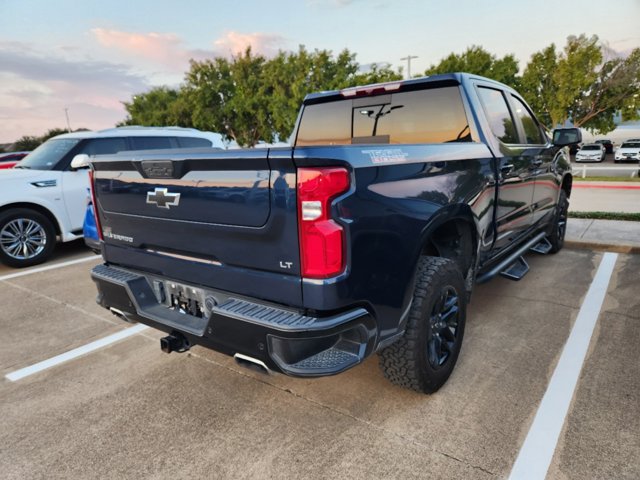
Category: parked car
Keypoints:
(575, 148)
(629, 151)
(10, 159)
(607, 144)
(43, 198)
(591, 152)
(366, 235)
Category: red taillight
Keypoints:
(321, 238)
(95, 205)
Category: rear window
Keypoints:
(151, 143)
(193, 142)
(424, 116)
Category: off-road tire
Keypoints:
(406, 362)
(559, 227)
(31, 217)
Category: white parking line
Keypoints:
(538, 448)
(22, 273)
(76, 352)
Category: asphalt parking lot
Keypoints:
(130, 411)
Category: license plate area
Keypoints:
(181, 298)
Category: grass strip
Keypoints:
(577, 178)
(629, 217)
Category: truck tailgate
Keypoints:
(223, 219)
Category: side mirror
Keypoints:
(563, 137)
(80, 161)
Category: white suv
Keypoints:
(43, 198)
(629, 151)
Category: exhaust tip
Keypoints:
(251, 363)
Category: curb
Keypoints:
(601, 246)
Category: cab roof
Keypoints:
(444, 79)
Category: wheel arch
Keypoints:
(35, 207)
(452, 233)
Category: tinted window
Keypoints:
(500, 120)
(424, 116)
(531, 129)
(591, 147)
(104, 146)
(326, 124)
(630, 145)
(151, 143)
(47, 155)
(192, 142)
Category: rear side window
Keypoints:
(424, 116)
(500, 120)
(151, 143)
(104, 146)
(531, 129)
(193, 142)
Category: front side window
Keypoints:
(49, 154)
(433, 115)
(500, 120)
(531, 129)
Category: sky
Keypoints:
(84, 58)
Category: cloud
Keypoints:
(266, 44)
(165, 49)
(37, 87)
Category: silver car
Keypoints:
(591, 152)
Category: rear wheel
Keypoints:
(26, 238)
(559, 229)
(425, 356)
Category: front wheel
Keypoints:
(559, 227)
(26, 238)
(424, 357)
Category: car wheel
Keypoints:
(26, 238)
(424, 357)
(559, 227)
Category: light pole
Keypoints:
(66, 114)
(408, 58)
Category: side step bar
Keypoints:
(516, 270)
(508, 261)
(543, 247)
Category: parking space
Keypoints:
(129, 410)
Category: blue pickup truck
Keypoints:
(367, 235)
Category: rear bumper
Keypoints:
(284, 339)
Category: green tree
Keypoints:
(160, 106)
(289, 77)
(478, 61)
(54, 132)
(578, 85)
(225, 96)
(27, 143)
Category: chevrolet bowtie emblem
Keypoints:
(161, 198)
